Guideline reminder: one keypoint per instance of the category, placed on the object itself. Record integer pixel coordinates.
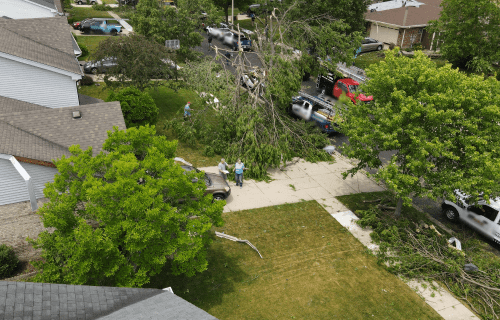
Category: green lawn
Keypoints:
(78, 14)
(109, 1)
(91, 42)
(312, 268)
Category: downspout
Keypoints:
(404, 31)
(432, 41)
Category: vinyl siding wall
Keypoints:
(16, 9)
(13, 187)
(31, 84)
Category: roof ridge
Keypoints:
(29, 39)
(42, 138)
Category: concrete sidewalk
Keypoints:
(302, 181)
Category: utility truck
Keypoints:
(311, 108)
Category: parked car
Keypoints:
(481, 216)
(80, 2)
(216, 185)
(369, 44)
(78, 24)
(233, 39)
(101, 66)
(100, 26)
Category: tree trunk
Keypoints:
(399, 205)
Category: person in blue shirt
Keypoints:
(187, 110)
(238, 170)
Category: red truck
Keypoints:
(349, 87)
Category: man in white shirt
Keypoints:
(223, 168)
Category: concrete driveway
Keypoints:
(297, 182)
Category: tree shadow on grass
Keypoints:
(205, 289)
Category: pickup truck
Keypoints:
(100, 26)
(349, 87)
(233, 39)
(310, 108)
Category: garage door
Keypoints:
(384, 34)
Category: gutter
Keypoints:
(398, 26)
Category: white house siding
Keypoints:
(18, 9)
(35, 85)
(384, 34)
(12, 186)
(40, 176)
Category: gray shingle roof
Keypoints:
(47, 134)
(27, 300)
(46, 3)
(8, 105)
(44, 40)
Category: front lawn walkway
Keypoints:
(313, 268)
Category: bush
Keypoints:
(101, 7)
(498, 76)
(417, 46)
(392, 46)
(138, 108)
(85, 50)
(408, 49)
(209, 151)
(86, 81)
(8, 261)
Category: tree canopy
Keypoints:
(138, 60)
(468, 33)
(444, 125)
(138, 108)
(119, 216)
(160, 23)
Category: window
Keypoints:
(342, 86)
(353, 88)
(485, 211)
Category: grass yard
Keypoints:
(78, 14)
(364, 60)
(91, 42)
(312, 268)
(109, 2)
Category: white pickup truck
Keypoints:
(481, 216)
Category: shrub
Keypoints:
(101, 7)
(86, 81)
(138, 107)
(408, 49)
(85, 50)
(8, 261)
(392, 46)
(417, 46)
(498, 76)
(209, 151)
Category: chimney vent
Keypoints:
(77, 115)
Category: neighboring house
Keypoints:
(28, 9)
(28, 300)
(38, 63)
(31, 136)
(402, 22)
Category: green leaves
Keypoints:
(443, 124)
(468, 33)
(119, 215)
(138, 107)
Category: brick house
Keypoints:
(402, 22)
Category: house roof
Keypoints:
(46, 3)
(429, 10)
(8, 105)
(43, 40)
(28, 300)
(46, 134)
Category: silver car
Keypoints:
(369, 44)
(481, 216)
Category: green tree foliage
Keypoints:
(138, 60)
(138, 107)
(226, 5)
(468, 33)
(443, 124)
(160, 23)
(118, 217)
(8, 261)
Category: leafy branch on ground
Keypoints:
(413, 251)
